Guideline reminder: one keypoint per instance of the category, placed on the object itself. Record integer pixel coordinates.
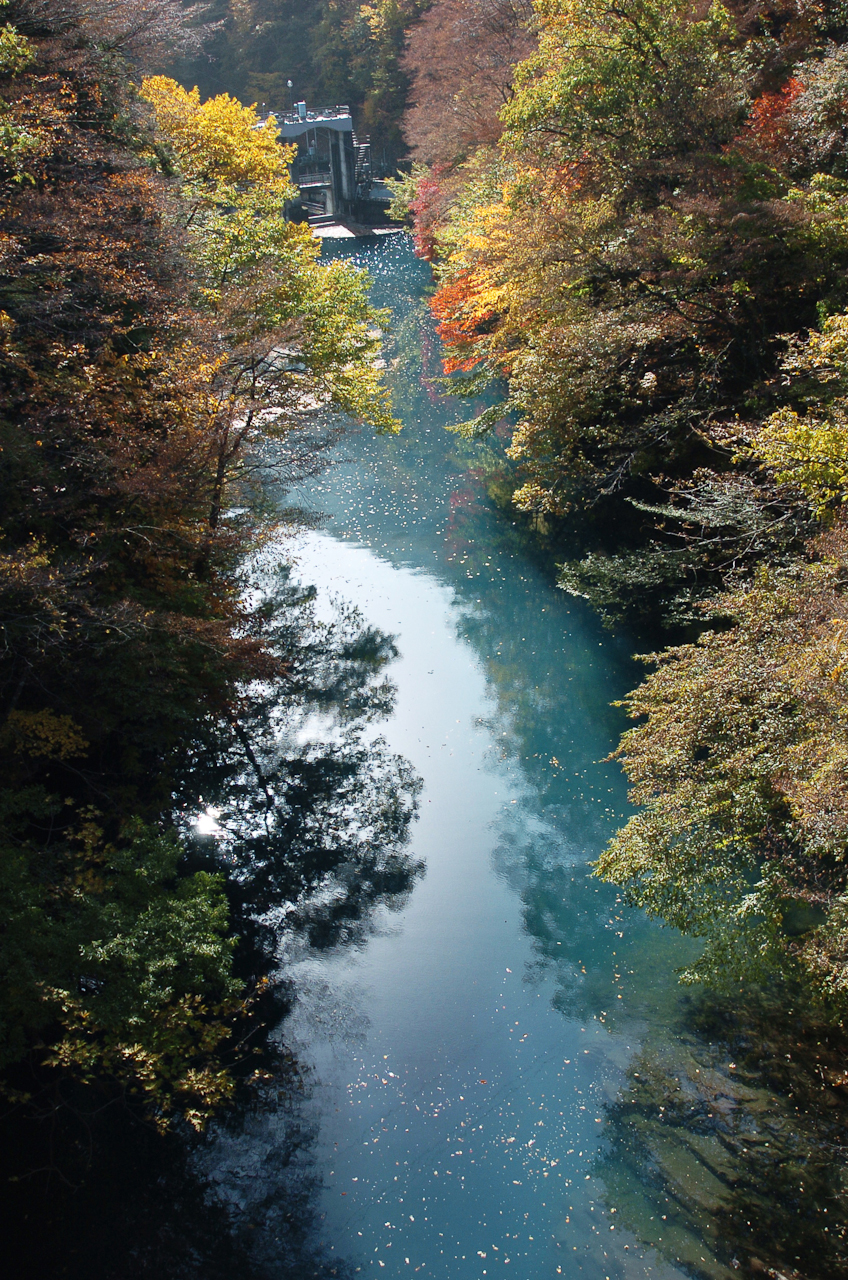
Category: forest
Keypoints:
(636, 212)
(169, 342)
(332, 51)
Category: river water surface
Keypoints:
(505, 1078)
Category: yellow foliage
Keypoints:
(43, 733)
(219, 141)
(811, 449)
(810, 452)
(828, 350)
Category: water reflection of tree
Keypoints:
(139, 1207)
(728, 1148)
(313, 818)
(602, 959)
(259, 1163)
(313, 813)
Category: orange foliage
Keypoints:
(459, 322)
(767, 122)
(426, 209)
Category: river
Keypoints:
(504, 1076)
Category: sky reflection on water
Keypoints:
(463, 1057)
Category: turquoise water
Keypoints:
(505, 1077)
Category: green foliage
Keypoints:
(21, 141)
(326, 331)
(810, 449)
(403, 189)
(816, 113)
(301, 334)
(633, 588)
(739, 769)
(130, 957)
(357, 54)
(16, 52)
(713, 526)
(621, 84)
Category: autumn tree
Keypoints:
(300, 336)
(805, 442)
(101, 491)
(626, 261)
(461, 55)
(651, 263)
(160, 324)
(738, 768)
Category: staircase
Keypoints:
(362, 165)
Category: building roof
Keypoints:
(291, 124)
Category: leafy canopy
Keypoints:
(302, 334)
(164, 341)
(219, 141)
(740, 771)
(810, 449)
(622, 83)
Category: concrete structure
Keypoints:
(332, 167)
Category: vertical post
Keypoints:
(342, 140)
(333, 168)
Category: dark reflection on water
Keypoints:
(313, 814)
(106, 1198)
(312, 811)
(728, 1144)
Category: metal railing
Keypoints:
(313, 117)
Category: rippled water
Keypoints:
(506, 1078)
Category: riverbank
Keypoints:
(348, 230)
